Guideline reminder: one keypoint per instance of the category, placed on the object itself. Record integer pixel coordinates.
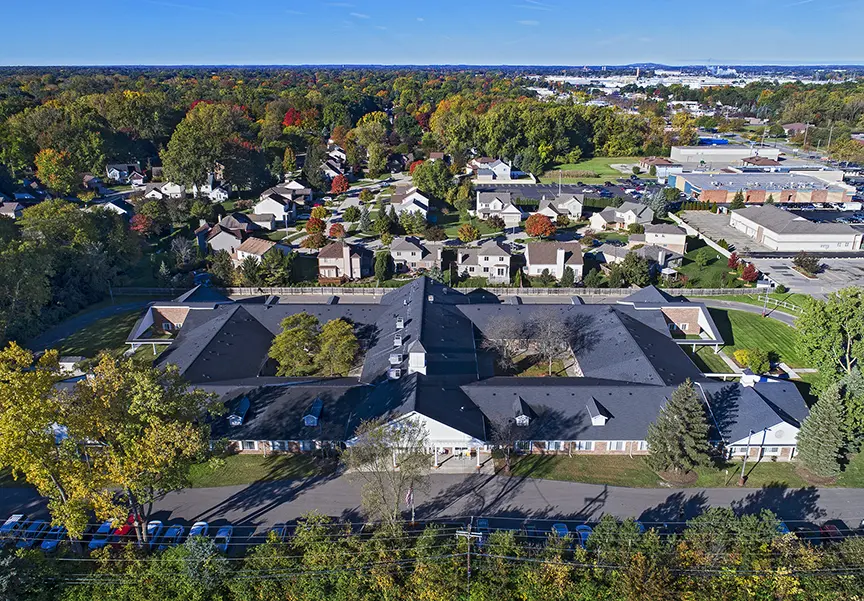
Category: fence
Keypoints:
(375, 291)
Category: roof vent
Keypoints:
(397, 340)
(396, 358)
(239, 414)
(394, 373)
(400, 323)
(430, 298)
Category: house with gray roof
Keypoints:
(620, 218)
(785, 231)
(423, 359)
(567, 205)
(490, 259)
(412, 254)
(554, 256)
(498, 204)
(666, 235)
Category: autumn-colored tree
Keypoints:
(56, 170)
(289, 160)
(337, 230)
(733, 261)
(316, 240)
(339, 185)
(319, 212)
(750, 274)
(468, 233)
(539, 226)
(292, 118)
(315, 225)
(142, 224)
(414, 166)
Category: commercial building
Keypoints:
(757, 187)
(784, 231)
(725, 154)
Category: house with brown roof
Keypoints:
(343, 261)
(256, 247)
(665, 235)
(554, 256)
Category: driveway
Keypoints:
(504, 499)
(786, 318)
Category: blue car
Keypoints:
(223, 538)
(102, 536)
(583, 532)
(154, 529)
(53, 538)
(32, 534)
(782, 528)
(199, 529)
(560, 529)
(172, 537)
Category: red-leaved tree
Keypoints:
(414, 166)
(292, 117)
(337, 230)
(539, 226)
(750, 274)
(732, 263)
(141, 224)
(314, 226)
(339, 185)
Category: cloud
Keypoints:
(360, 16)
(534, 5)
(421, 19)
(295, 12)
(529, 23)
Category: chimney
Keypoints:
(346, 260)
(202, 222)
(559, 259)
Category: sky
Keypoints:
(471, 32)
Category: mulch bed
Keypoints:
(678, 477)
(815, 480)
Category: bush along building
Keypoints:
(433, 354)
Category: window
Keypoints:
(250, 445)
(739, 450)
(177, 326)
(307, 445)
(582, 445)
(682, 327)
(485, 258)
(522, 445)
(522, 420)
(167, 326)
(616, 445)
(553, 445)
(642, 445)
(485, 270)
(413, 253)
(771, 451)
(500, 271)
(279, 445)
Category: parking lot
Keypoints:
(837, 274)
(716, 226)
(618, 188)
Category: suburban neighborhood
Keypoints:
(349, 329)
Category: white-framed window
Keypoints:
(739, 450)
(279, 445)
(250, 445)
(682, 327)
(582, 445)
(523, 445)
(616, 445)
(642, 445)
(553, 445)
(177, 326)
(500, 271)
(485, 270)
(771, 451)
(413, 253)
(307, 445)
(167, 326)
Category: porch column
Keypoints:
(435, 464)
(478, 458)
(394, 460)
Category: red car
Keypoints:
(124, 532)
(829, 533)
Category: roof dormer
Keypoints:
(598, 413)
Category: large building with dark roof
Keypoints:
(424, 357)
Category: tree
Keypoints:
(769, 200)
(733, 261)
(507, 433)
(184, 251)
(821, 439)
(737, 201)
(339, 185)
(806, 263)
(164, 275)
(568, 278)
(704, 256)
(635, 270)
(296, 347)
(505, 336)
(546, 278)
(366, 195)
(289, 160)
(383, 223)
(678, 438)
(142, 224)
(434, 233)
(275, 268)
(351, 214)
(758, 361)
(592, 279)
(547, 332)
(562, 221)
(539, 226)
(467, 232)
(496, 223)
(337, 347)
(337, 230)
(250, 271)
(316, 240)
(831, 334)
(365, 221)
(382, 266)
(315, 225)
(433, 178)
(635, 228)
(376, 447)
(750, 274)
(222, 268)
(57, 171)
(201, 210)
(616, 276)
(319, 212)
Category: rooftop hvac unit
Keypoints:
(397, 341)
(400, 323)
(396, 358)
(394, 373)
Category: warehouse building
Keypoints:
(725, 154)
(785, 231)
(757, 187)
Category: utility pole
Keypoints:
(467, 534)
(744, 463)
(765, 306)
(830, 133)
(806, 131)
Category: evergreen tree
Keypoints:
(365, 221)
(382, 265)
(164, 275)
(678, 438)
(250, 271)
(737, 201)
(769, 200)
(568, 278)
(593, 279)
(222, 268)
(821, 437)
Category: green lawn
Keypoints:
(599, 165)
(452, 222)
(613, 237)
(706, 360)
(711, 275)
(741, 330)
(246, 469)
(758, 300)
(531, 366)
(276, 236)
(107, 334)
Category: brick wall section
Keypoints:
(718, 196)
(689, 316)
(173, 315)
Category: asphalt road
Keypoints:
(786, 318)
(505, 500)
(58, 333)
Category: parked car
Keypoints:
(782, 528)
(199, 529)
(223, 538)
(172, 537)
(154, 529)
(829, 533)
(12, 528)
(560, 529)
(583, 533)
(32, 534)
(101, 536)
(280, 531)
(53, 538)
(123, 532)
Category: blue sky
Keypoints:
(526, 32)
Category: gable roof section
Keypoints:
(256, 246)
(546, 253)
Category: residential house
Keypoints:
(11, 209)
(490, 260)
(439, 156)
(120, 172)
(568, 205)
(336, 152)
(663, 167)
(230, 232)
(658, 258)
(201, 233)
(781, 230)
(343, 261)
(666, 235)
(794, 129)
(213, 189)
(136, 179)
(91, 182)
(277, 207)
(498, 204)
(412, 254)
(164, 191)
(115, 205)
(265, 221)
(332, 168)
(257, 247)
(487, 170)
(622, 217)
(411, 200)
(554, 256)
(420, 363)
